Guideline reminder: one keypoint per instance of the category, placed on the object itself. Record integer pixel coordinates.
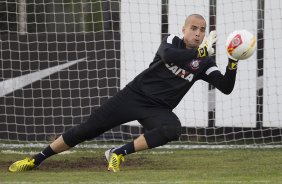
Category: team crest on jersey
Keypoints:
(195, 64)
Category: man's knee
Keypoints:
(76, 135)
(162, 135)
(171, 132)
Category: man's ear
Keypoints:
(183, 29)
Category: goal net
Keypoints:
(59, 60)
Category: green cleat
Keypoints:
(113, 160)
(26, 164)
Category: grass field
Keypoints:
(156, 166)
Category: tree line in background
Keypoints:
(51, 15)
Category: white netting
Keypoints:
(86, 50)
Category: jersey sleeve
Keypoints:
(170, 52)
(225, 83)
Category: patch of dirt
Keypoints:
(83, 163)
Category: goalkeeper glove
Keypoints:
(232, 63)
(206, 48)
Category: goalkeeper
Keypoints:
(150, 97)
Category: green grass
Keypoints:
(154, 166)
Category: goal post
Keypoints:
(59, 60)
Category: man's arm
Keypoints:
(170, 53)
(225, 83)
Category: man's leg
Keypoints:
(55, 147)
(85, 131)
(140, 143)
(115, 156)
(93, 127)
(59, 145)
(109, 115)
(162, 128)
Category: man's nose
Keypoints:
(198, 32)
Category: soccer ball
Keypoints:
(240, 44)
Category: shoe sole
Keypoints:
(107, 155)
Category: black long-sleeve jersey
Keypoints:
(175, 69)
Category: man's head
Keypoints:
(194, 30)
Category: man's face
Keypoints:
(194, 32)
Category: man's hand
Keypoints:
(206, 48)
(232, 63)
